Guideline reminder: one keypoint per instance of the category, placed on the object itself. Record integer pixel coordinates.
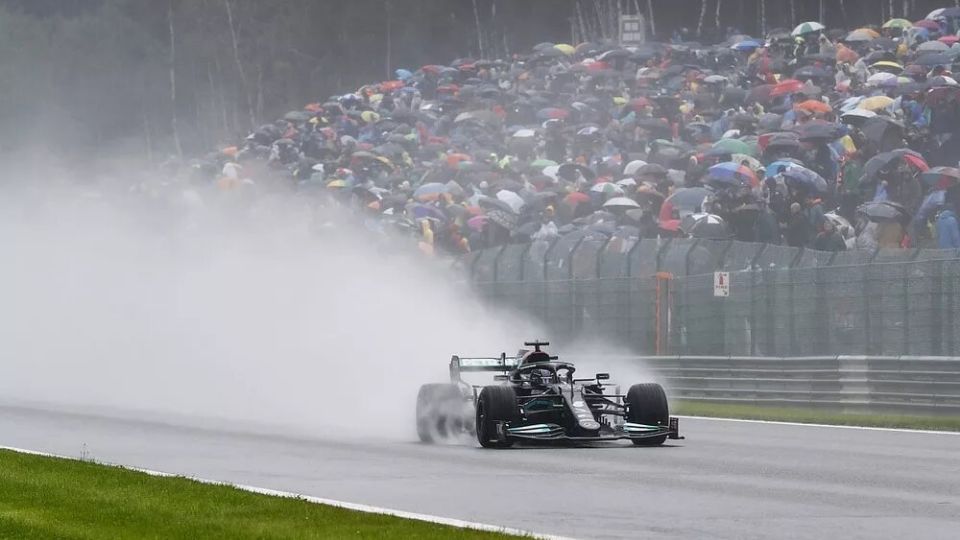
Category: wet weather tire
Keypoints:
(439, 412)
(494, 405)
(647, 404)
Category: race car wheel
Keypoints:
(494, 405)
(647, 404)
(439, 408)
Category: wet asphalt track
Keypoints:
(726, 480)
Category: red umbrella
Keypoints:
(928, 24)
(789, 86)
(917, 161)
(576, 198)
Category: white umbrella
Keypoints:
(633, 167)
(524, 133)
(627, 182)
(551, 171)
(882, 79)
(513, 200)
(621, 203)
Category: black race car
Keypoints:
(538, 398)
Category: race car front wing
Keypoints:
(627, 430)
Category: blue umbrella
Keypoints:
(746, 45)
(774, 167)
(800, 176)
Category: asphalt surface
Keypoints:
(726, 480)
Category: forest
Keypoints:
(161, 78)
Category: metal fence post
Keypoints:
(868, 347)
(905, 291)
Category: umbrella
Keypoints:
(802, 177)
(884, 211)
(882, 78)
(706, 226)
(932, 46)
(887, 64)
(429, 191)
(513, 200)
(298, 116)
(936, 59)
(747, 45)
(543, 163)
(883, 161)
(944, 13)
(621, 203)
(861, 35)
(774, 168)
(819, 130)
(685, 201)
(807, 28)
(576, 198)
(875, 129)
(857, 117)
(652, 169)
(607, 188)
(633, 167)
(477, 223)
(732, 146)
(875, 103)
(626, 182)
(941, 177)
(789, 86)
(552, 113)
(902, 24)
(723, 172)
(814, 106)
(426, 211)
(811, 72)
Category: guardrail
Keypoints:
(900, 385)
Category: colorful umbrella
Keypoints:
(724, 172)
(807, 28)
(941, 177)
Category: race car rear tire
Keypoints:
(495, 404)
(647, 404)
(439, 408)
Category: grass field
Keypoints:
(42, 497)
(814, 416)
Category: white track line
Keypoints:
(866, 428)
(451, 522)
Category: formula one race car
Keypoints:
(538, 398)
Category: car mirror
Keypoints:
(603, 376)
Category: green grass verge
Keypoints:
(814, 416)
(42, 497)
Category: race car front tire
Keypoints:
(647, 404)
(495, 405)
(439, 412)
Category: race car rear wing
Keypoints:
(459, 365)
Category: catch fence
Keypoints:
(656, 296)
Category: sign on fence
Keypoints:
(632, 30)
(721, 284)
